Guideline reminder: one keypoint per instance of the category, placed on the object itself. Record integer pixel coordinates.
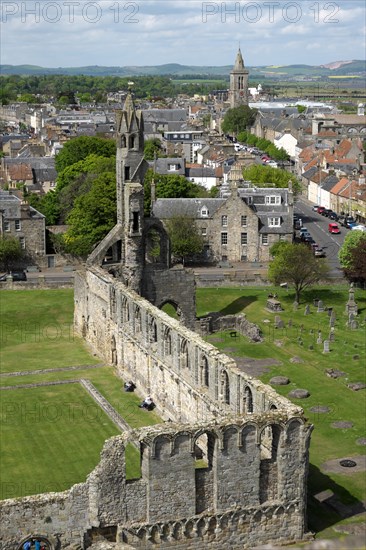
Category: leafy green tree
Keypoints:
(296, 264)
(79, 148)
(10, 251)
(238, 119)
(169, 187)
(263, 175)
(352, 256)
(93, 216)
(152, 147)
(185, 238)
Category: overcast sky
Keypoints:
(71, 33)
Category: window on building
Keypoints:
(264, 238)
(6, 225)
(22, 243)
(244, 238)
(273, 199)
(204, 231)
(223, 238)
(17, 225)
(204, 212)
(244, 221)
(274, 222)
(224, 221)
(173, 167)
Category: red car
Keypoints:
(333, 228)
(321, 209)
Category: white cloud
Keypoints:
(189, 32)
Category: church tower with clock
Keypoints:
(238, 92)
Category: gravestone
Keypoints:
(295, 305)
(307, 310)
(278, 322)
(332, 319)
(315, 302)
(330, 311)
(353, 325)
(326, 346)
(351, 306)
(320, 307)
(319, 340)
(332, 335)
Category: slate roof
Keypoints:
(168, 208)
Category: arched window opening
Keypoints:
(204, 371)
(248, 400)
(270, 438)
(138, 321)
(167, 342)
(225, 387)
(125, 311)
(153, 331)
(184, 355)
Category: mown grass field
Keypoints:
(51, 436)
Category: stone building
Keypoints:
(240, 227)
(238, 91)
(227, 469)
(25, 223)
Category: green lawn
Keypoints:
(56, 433)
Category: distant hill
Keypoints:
(341, 68)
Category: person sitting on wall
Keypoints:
(148, 403)
(130, 386)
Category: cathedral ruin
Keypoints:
(227, 468)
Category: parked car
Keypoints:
(334, 216)
(347, 221)
(298, 223)
(272, 164)
(305, 236)
(303, 230)
(315, 207)
(359, 227)
(319, 252)
(333, 228)
(16, 275)
(320, 209)
(327, 212)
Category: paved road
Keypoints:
(318, 228)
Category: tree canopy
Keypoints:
(296, 264)
(170, 186)
(262, 175)
(93, 216)
(10, 252)
(352, 256)
(152, 148)
(185, 238)
(81, 147)
(238, 119)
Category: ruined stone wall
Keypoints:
(176, 504)
(229, 471)
(189, 378)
